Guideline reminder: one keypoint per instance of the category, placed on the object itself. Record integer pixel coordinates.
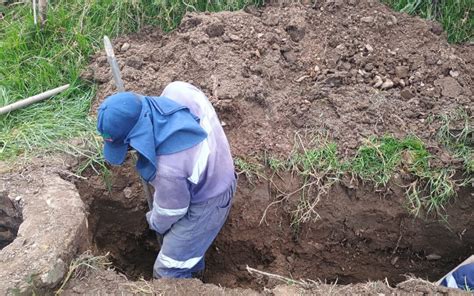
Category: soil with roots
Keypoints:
(349, 69)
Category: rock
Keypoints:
(394, 260)
(346, 66)
(55, 274)
(402, 71)
(233, 37)
(290, 259)
(387, 84)
(378, 81)
(128, 192)
(436, 29)
(125, 47)
(271, 20)
(449, 87)
(406, 94)
(289, 56)
(134, 62)
(453, 73)
(432, 257)
(215, 30)
(369, 67)
(367, 19)
(78, 290)
(369, 48)
(393, 20)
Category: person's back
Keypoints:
(208, 166)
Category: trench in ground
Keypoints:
(10, 220)
(362, 235)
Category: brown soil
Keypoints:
(270, 73)
(273, 71)
(362, 235)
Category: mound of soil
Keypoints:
(348, 68)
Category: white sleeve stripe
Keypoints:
(451, 281)
(171, 263)
(169, 212)
(201, 163)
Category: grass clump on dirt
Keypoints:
(460, 139)
(456, 16)
(429, 188)
(379, 159)
(33, 60)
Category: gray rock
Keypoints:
(55, 274)
(367, 19)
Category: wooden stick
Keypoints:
(33, 99)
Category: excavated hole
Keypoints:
(354, 245)
(10, 220)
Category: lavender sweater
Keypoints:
(194, 175)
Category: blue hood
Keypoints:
(164, 127)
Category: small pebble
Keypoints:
(432, 257)
(125, 47)
(387, 84)
(369, 48)
(367, 19)
(453, 73)
(378, 81)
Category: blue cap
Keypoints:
(117, 115)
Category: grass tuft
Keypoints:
(82, 265)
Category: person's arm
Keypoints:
(170, 203)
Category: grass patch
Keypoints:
(456, 16)
(457, 135)
(34, 60)
(379, 159)
(429, 189)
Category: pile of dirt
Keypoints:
(349, 68)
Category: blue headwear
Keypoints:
(151, 125)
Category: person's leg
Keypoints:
(184, 246)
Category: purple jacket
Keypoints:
(193, 175)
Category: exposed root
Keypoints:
(307, 284)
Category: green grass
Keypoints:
(458, 139)
(33, 60)
(379, 159)
(456, 16)
(428, 191)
